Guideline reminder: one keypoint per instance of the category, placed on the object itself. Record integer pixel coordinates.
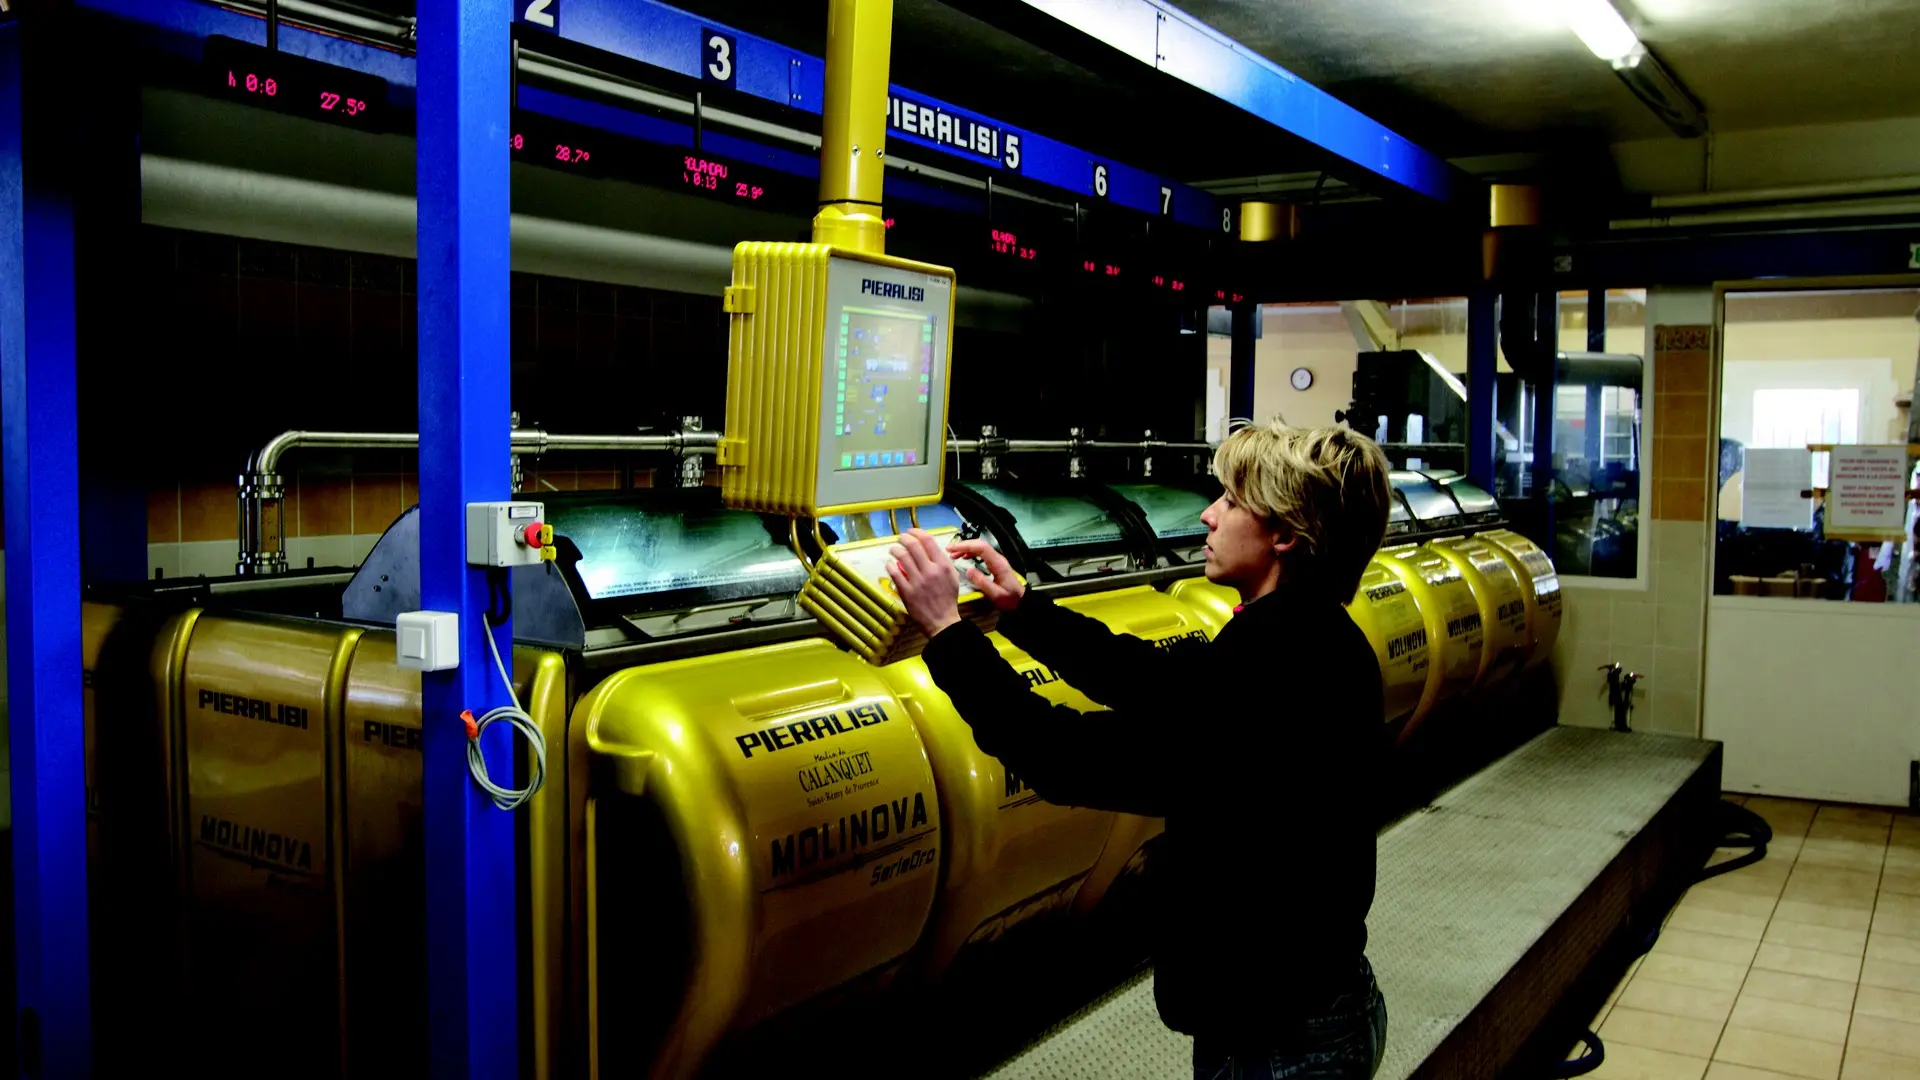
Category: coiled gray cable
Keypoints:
(506, 798)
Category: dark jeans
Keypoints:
(1343, 1043)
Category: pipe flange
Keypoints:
(264, 486)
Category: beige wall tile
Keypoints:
(1756, 880)
(1588, 615)
(1824, 938)
(1891, 974)
(1902, 857)
(1820, 993)
(326, 506)
(1657, 1031)
(1865, 1064)
(376, 501)
(1790, 1018)
(1693, 971)
(1634, 622)
(1808, 1058)
(1814, 962)
(1886, 1036)
(1681, 500)
(1678, 625)
(1821, 915)
(1900, 882)
(210, 511)
(1789, 817)
(1888, 1004)
(1675, 999)
(1715, 947)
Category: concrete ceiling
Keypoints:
(1474, 76)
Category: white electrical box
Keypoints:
(427, 640)
(508, 534)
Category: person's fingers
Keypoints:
(931, 547)
(969, 549)
(986, 585)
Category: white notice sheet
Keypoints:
(1772, 488)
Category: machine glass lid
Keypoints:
(1425, 498)
(630, 548)
(875, 524)
(1053, 520)
(1173, 513)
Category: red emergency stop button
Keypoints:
(537, 535)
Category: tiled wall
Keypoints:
(1658, 631)
(282, 336)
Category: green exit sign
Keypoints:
(1913, 256)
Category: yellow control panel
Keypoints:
(836, 380)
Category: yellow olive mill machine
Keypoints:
(757, 802)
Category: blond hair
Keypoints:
(1326, 486)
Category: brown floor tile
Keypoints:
(1808, 1058)
(1658, 1031)
(1838, 918)
(1901, 1005)
(1897, 920)
(1736, 903)
(1813, 962)
(1843, 855)
(1789, 1018)
(1855, 831)
(1626, 1062)
(1804, 989)
(1825, 938)
(1724, 923)
(1674, 999)
(1865, 1064)
(1900, 882)
(1854, 815)
(1901, 950)
(1886, 1036)
(1714, 947)
(1727, 1070)
(1692, 971)
(1789, 817)
(1891, 974)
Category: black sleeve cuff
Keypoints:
(952, 650)
(1033, 614)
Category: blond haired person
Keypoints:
(1259, 749)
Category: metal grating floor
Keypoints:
(1466, 888)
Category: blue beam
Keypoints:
(472, 953)
(40, 445)
(1169, 40)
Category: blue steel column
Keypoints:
(1482, 361)
(1596, 342)
(472, 953)
(42, 471)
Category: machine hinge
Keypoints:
(737, 300)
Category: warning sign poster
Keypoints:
(1868, 496)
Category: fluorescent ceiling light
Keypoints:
(1602, 28)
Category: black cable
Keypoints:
(1738, 827)
(1595, 1057)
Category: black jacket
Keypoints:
(1261, 749)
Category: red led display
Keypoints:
(292, 84)
(563, 152)
(707, 174)
(1005, 242)
(1174, 284)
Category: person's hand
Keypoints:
(1003, 588)
(927, 581)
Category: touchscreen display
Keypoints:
(884, 369)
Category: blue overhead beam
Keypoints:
(41, 449)
(473, 1019)
(1169, 40)
(714, 53)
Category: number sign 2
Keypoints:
(544, 14)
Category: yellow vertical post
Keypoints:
(853, 134)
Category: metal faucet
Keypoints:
(1620, 692)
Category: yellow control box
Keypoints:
(851, 592)
(836, 380)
